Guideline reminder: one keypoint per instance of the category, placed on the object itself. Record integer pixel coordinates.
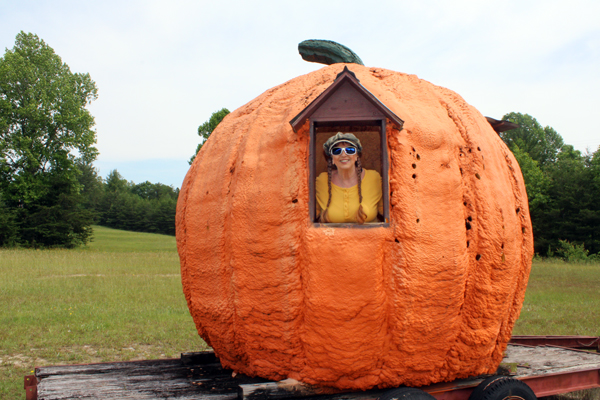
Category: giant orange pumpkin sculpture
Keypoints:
(430, 296)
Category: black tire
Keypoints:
(406, 393)
(502, 388)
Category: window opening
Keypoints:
(374, 157)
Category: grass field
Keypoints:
(561, 299)
(120, 298)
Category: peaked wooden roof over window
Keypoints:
(345, 100)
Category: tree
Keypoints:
(92, 188)
(143, 207)
(208, 127)
(541, 143)
(45, 130)
(8, 227)
(574, 198)
(154, 191)
(563, 187)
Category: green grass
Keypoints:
(119, 298)
(113, 240)
(561, 299)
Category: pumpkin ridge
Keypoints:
(299, 363)
(181, 238)
(469, 197)
(525, 249)
(230, 279)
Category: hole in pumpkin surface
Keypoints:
(468, 225)
(414, 176)
(295, 201)
(477, 257)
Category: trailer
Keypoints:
(533, 366)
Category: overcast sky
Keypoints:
(163, 67)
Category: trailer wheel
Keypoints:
(502, 388)
(406, 393)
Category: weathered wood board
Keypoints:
(152, 379)
(542, 360)
(200, 376)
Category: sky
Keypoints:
(163, 67)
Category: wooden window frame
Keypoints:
(381, 123)
(347, 103)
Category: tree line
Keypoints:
(64, 218)
(121, 204)
(50, 193)
(563, 187)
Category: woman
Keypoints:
(347, 192)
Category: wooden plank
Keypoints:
(152, 379)
(199, 358)
(542, 360)
(122, 385)
(100, 368)
(351, 225)
(385, 167)
(286, 388)
(573, 342)
(137, 380)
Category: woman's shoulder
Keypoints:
(321, 181)
(371, 174)
(322, 177)
(372, 184)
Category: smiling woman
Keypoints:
(347, 192)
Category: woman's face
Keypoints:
(344, 162)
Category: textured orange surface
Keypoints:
(423, 301)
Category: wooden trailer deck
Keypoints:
(547, 370)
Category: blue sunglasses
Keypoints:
(336, 151)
